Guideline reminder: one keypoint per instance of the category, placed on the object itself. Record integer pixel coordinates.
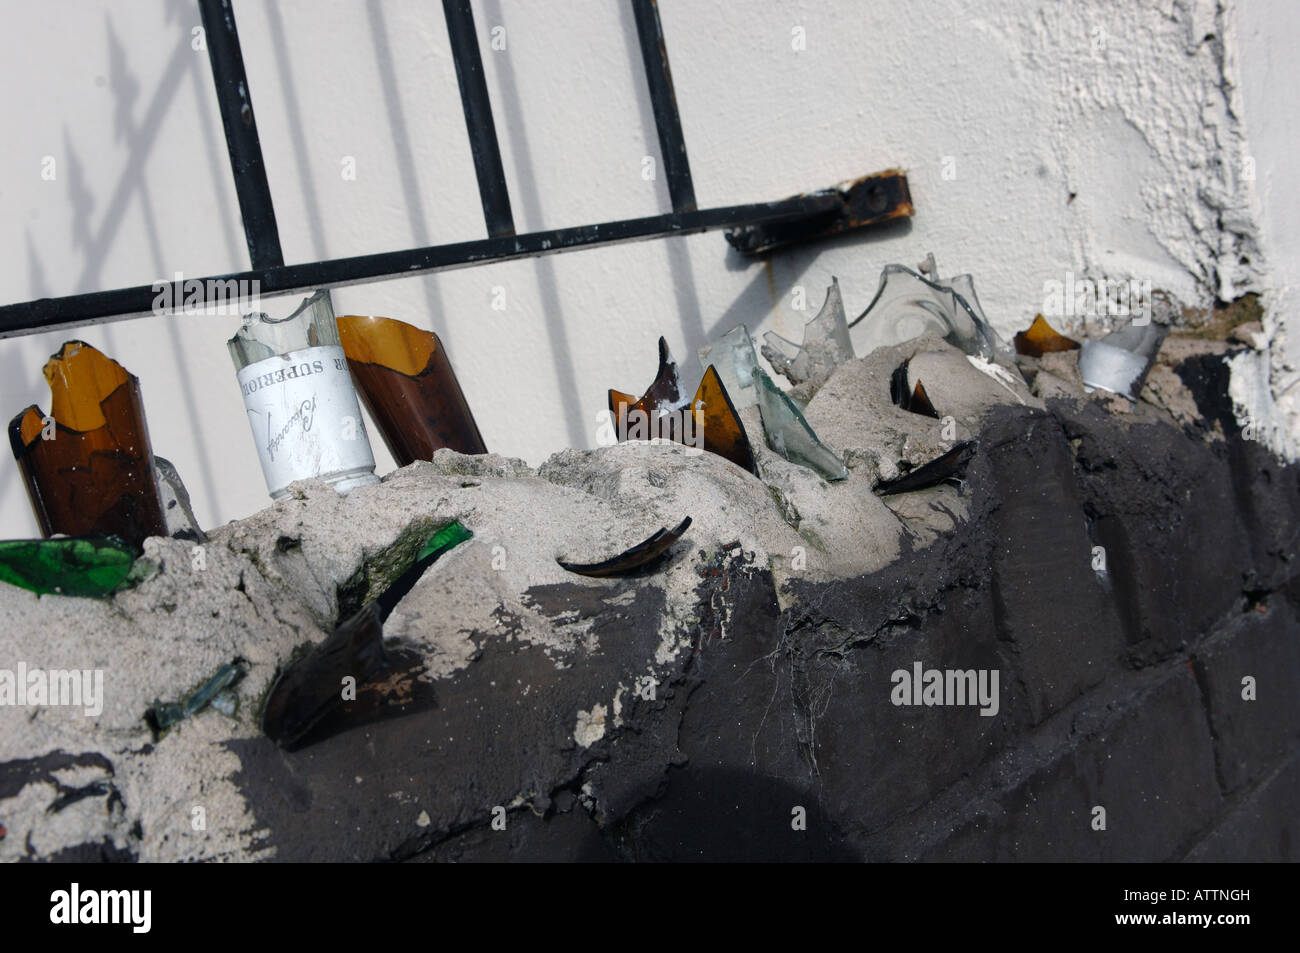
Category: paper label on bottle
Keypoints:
(305, 419)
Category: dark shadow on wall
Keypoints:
(526, 195)
(297, 137)
(405, 159)
(679, 258)
(126, 89)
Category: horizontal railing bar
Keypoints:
(48, 314)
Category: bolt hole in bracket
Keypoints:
(871, 200)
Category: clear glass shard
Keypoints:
(789, 434)
(301, 403)
(826, 344)
(175, 500)
(732, 356)
(784, 426)
(1119, 362)
(907, 305)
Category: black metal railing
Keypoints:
(759, 227)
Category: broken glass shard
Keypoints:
(300, 401)
(732, 356)
(658, 413)
(825, 346)
(910, 398)
(708, 421)
(305, 703)
(1041, 338)
(640, 555)
(89, 566)
(88, 467)
(1119, 362)
(163, 715)
(451, 535)
(407, 383)
(715, 415)
(907, 305)
(175, 499)
(943, 468)
(784, 426)
(964, 287)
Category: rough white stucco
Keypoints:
(1265, 386)
(999, 111)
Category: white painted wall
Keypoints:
(1000, 110)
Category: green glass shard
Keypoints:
(89, 566)
(163, 715)
(304, 700)
(453, 534)
(784, 426)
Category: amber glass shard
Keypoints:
(91, 470)
(724, 433)
(660, 411)
(1041, 338)
(825, 345)
(408, 385)
(946, 467)
(708, 421)
(909, 397)
(920, 402)
(640, 555)
(305, 703)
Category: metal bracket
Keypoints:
(870, 200)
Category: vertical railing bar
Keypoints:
(663, 101)
(478, 118)
(246, 162)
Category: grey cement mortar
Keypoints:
(269, 585)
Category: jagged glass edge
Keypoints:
(986, 332)
(762, 390)
(789, 353)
